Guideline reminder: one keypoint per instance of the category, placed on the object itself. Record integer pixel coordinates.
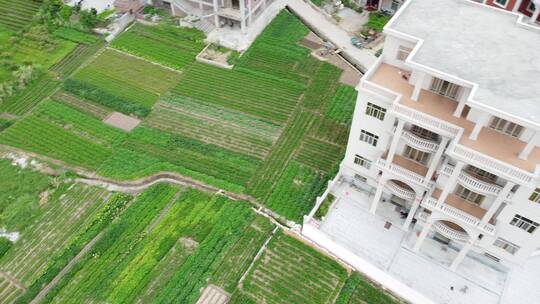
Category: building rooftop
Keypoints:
(482, 45)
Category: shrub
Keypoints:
(5, 245)
(377, 21)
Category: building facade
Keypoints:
(529, 8)
(450, 135)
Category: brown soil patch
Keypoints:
(122, 121)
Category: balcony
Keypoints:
(405, 168)
(401, 191)
(231, 13)
(458, 209)
(451, 231)
(419, 143)
(492, 149)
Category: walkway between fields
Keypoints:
(68, 267)
(328, 30)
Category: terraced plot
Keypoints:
(168, 45)
(253, 94)
(319, 154)
(60, 132)
(291, 272)
(17, 14)
(124, 83)
(213, 124)
(359, 291)
(28, 98)
(76, 58)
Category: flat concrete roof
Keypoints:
(482, 45)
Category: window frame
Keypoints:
(469, 195)
(369, 138)
(375, 111)
(507, 246)
(524, 223)
(535, 196)
(362, 161)
(496, 2)
(506, 127)
(416, 155)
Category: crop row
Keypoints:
(79, 123)
(322, 86)
(40, 136)
(358, 291)
(193, 275)
(93, 275)
(249, 93)
(75, 59)
(63, 218)
(74, 35)
(341, 106)
(319, 154)
(329, 130)
(262, 184)
(239, 257)
(81, 105)
(292, 272)
(203, 127)
(17, 14)
(295, 192)
(28, 98)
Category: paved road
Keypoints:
(330, 31)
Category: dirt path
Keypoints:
(68, 267)
(13, 281)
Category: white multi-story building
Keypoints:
(447, 128)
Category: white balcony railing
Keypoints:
(401, 192)
(496, 166)
(425, 120)
(478, 185)
(419, 143)
(400, 171)
(450, 233)
(456, 214)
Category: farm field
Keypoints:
(262, 128)
(17, 13)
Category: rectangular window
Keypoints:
(506, 127)
(426, 134)
(360, 178)
(445, 88)
(506, 245)
(535, 196)
(361, 161)
(469, 195)
(375, 111)
(403, 53)
(368, 137)
(501, 2)
(524, 223)
(416, 155)
(482, 174)
(531, 7)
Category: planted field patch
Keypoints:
(341, 106)
(81, 104)
(60, 132)
(329, 130)
(358, 291)
(114, 80)
(320, 155)
(74, 35)
(322, 86)
(28, 98)
(172, 46)
(214, 124)
(262, 183)
(150, 151)
(295, 191)
(292, 272)
(76, 58)
(67, 211)
(17, 14)
(253, 94)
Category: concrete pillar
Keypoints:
(243, 16)
(451, 183)
(216, 17)
(395, 141)
(423, 235)
(497, 203)
(436, 159)
(482, 122)
(413, 210)
(462, 253)
(378, 194)
(418, 86)
(461, 103)
(531, 144)
(250, 13)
